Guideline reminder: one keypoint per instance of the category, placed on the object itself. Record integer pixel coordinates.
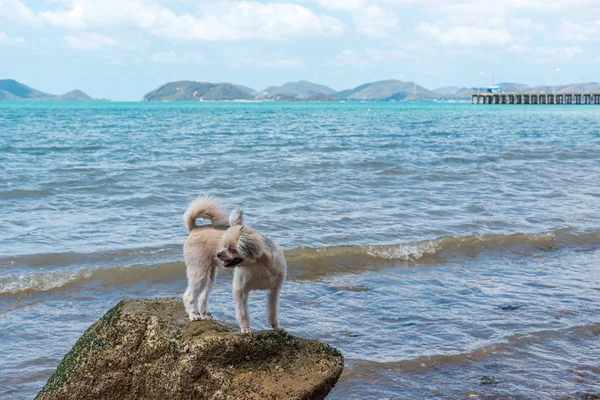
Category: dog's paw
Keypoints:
(195, 317)
(280, 330)
(247, 330)
(199, 317)
(207, 317)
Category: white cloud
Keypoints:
(376, 22)
(519, 49)
(248, 20)
(513, 26)
(465, 35)
(284, 63)
(572, 51)
(16, 10)
(527, 25)
(370, 56)
(341, 4)
(247, 58)
(218, 21)
(377, 55)
(577, 32)
(90, 41)
(546, 54)
(171, 57)
(6, 39)
(349, 58)
(468, 8)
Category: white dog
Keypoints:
(259, 262)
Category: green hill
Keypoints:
(11, 90)
(227, 91)
(74, 95)
(320, 97)
(591, 87)
(449, 90)
(344, 94)
(20, 91)
(8, 96)
(198, 91)
(388, 90)
(284, 97)
(300, 89)
(248, 90)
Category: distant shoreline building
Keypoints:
(494, 89)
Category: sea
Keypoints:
(432, 243)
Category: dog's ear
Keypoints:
(236, 218)
(250, 245)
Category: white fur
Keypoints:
(263, 266)
(236, 218)
(206, 207)
(260, 275)
(200, 253)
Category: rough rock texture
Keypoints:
(147, 349)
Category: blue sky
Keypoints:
(121, 49)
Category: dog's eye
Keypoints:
(233, 250)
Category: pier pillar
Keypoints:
(537, 98)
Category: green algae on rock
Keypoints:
(148, 349)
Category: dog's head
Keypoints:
(240, 243)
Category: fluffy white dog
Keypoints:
(258, 261)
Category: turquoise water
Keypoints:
(432, 243)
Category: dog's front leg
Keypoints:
(240, 297)
(273, 310)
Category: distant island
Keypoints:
(11, 90)
(390, 90)
(385, 90)
(205, 91)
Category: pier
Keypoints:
(536, 98)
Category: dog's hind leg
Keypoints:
(199, 285)
(206, 289)
(190, 300)
(273, 310)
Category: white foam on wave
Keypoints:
(11, 285)
(406, 252)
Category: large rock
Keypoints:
(148, 349)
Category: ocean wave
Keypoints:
(161, 263)
(59, 280)
(513, 343)
(26, 284)
(102, 257)
(20, 193)
(308, 262)
(189, 169)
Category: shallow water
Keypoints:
(432, 243)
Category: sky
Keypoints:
(122, 49)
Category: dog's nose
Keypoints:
(219, 254)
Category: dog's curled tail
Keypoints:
(206, 207)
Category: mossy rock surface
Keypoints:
(148, 349)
